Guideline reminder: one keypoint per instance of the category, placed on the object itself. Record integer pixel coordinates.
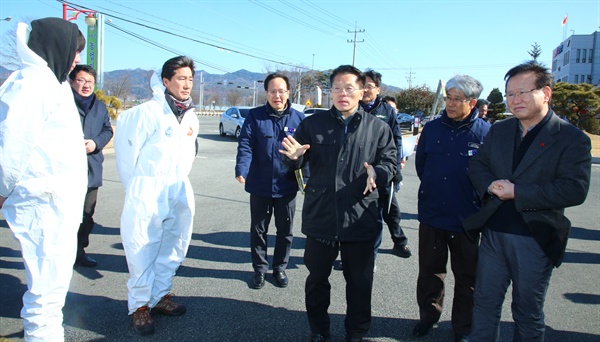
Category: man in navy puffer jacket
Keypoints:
(446, 198)
(272, 186)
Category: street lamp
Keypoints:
(6, 19)
(90, 18)
(95, 39)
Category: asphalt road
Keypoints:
(214, 279)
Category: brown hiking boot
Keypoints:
(167, 306)
(142, 322)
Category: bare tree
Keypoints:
(234, 97)
(8, 54)
(120, 88)
(214, 99)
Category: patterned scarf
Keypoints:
(178, 107)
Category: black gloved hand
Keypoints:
(398, 177)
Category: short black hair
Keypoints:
(543, 76)
(389, 99)
(374, 75)
(482, 102)
(348, 69)
(274, 75)
(172, 65)
(83, 67)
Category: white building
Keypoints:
(577, 59)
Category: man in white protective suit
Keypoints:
(43, 168)
(155, 145)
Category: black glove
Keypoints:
(398, 177)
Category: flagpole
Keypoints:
(565, 25)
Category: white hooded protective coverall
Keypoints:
(154, 158)
(43, 175)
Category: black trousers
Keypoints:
(261, 210)
(86, 226)
(358, 260)
(434, 245)
(392, 219)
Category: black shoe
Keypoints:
(258, 281)
(421, 329)
(354, 339)
(401, 250)
(280, 278)
(86, 261)
(319, 338)
(461, 338)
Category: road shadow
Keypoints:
(409, 216)
(242, 239)
(217, 137)
(584, 234)
(581, 258)
(583, 298)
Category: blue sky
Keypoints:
(422, 40)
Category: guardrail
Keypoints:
(209, 112)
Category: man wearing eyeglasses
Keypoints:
(351, 154)
(272, 186)
(446, 197)
(373, 104)
(530, 168)
(97, 132)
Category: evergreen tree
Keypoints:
(535, 52)
(497, 106)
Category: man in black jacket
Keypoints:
(529, 169)
(350, 154)
(97, 132)
(373, 104)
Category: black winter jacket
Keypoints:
(335, 208)
(96, 126)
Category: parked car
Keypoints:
(405, 121)
(310, 111)
(232, 119)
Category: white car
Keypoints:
(232, 119)
(310, 111)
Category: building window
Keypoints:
(554, 62)
(578, 56)
(576, 79)
(565, 79)
(584, 56)
(590, 56)
(566, 59)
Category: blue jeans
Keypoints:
(504, 258)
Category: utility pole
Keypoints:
(409, 78)
(354, 41)
(201, 98)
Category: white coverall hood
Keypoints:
(43, 175)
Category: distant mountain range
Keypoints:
(139, 80)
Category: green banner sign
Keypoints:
(92, 46)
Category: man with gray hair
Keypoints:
(446, 197)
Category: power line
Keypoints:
(178, 27)
(188, 38)
(285, 15)
(330, 14)
(163, 47)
